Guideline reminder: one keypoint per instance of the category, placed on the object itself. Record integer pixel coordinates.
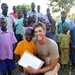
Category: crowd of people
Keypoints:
(41, 35)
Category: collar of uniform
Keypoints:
(5, 16)
(3, 32)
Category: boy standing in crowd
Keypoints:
(7, 40)
(26, 44)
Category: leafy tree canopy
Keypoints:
(20, 7)
(58, 5)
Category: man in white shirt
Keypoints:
(48, 16)
(10, 19)
(64, 13)
(33, 12)
(40, 15)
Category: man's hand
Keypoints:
(31, 70)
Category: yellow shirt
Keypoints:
(23, 46)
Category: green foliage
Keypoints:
(20, 7)
(58, 5)
(57, 18)
(72, 16)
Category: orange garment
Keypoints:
(23, 46)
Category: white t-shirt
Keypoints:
(23, 29)
(10, 20)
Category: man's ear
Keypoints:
(45, 31)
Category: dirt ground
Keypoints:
(67, 71)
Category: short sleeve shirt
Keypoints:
(7, 39)
(23, 46)
(19, 25)
(10, 20)
(30, 13)
(49, 49)
(23, 30)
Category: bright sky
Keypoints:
(11, 3)
(42, 3)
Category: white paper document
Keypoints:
(29, 59)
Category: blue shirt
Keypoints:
(54, 37)
(19, 26)
(59, 26)
(48, 33)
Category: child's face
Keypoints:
(14, 8)
(29, 36)
(53, 29)
(53, 22)
(42, 20)
(34, 19)
(24, 11)
(25, 22)
(19, 14)
(48, 11)
(3, 23)
(63, 18)
(5, 8)
(33, 5)
(47, 27)
(38, 7)
(65, 28)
